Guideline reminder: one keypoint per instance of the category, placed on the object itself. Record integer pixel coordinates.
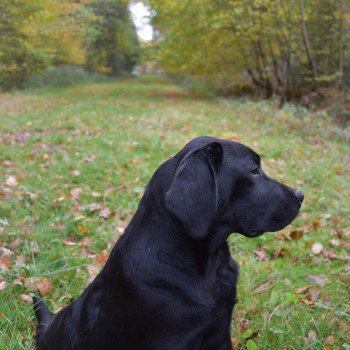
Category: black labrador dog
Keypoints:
(170, 282)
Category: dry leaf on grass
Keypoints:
(102, 257)
(27, 298)
(260, 254)
(295, 235)
(319, 280)
(4, 263)
(75, 193)
(38, 284)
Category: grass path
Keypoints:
(73, 166)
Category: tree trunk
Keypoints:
(307, 45)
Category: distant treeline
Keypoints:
(98, 35)
(275, 47)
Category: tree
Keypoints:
(113, 48)
(285, 48)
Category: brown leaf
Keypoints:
(16, 243)
(319, 280)
(4, 263)
(44, 287)
(102, 257)
(295, 235)
(279, 253)
(243, 325)
(38, 284)
(260, 254)
(329, 254)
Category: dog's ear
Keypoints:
(193, 194)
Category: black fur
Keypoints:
(170, 282)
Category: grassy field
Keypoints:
(73, 166)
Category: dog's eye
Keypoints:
(255, 171)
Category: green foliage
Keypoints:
(61, 76)
(115, 46)
(282, 47)
(41, 33)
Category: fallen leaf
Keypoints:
(279, 253)
(93, 207)
(82, 229)
(6, 251)
(19, 260)
(319, 280)
(38, 284)
(75, 193)
(27, 298)
(74, 172)
(335, 242)
(295, 235)
(44, 286)
(330, 340)
(2, 285)
(11, 181)
(260, 254)
(86, 252)
(7, 164)
(16, 243)
(85, 242)
(102, 257)
(243, 325)
(311, 337)
(105, 213)
(4, 263)
(317, 248)
(70, 241)
(329, 254)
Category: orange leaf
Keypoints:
(4, 263)
(82, 229)
(102, 257)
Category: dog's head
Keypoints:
(219, 183)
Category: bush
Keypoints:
(65, 75)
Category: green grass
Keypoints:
(116, 134)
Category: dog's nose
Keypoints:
(299, 196)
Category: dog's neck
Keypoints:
(163, 229)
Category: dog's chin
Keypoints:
(253, 233)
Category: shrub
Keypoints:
(60, 76)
